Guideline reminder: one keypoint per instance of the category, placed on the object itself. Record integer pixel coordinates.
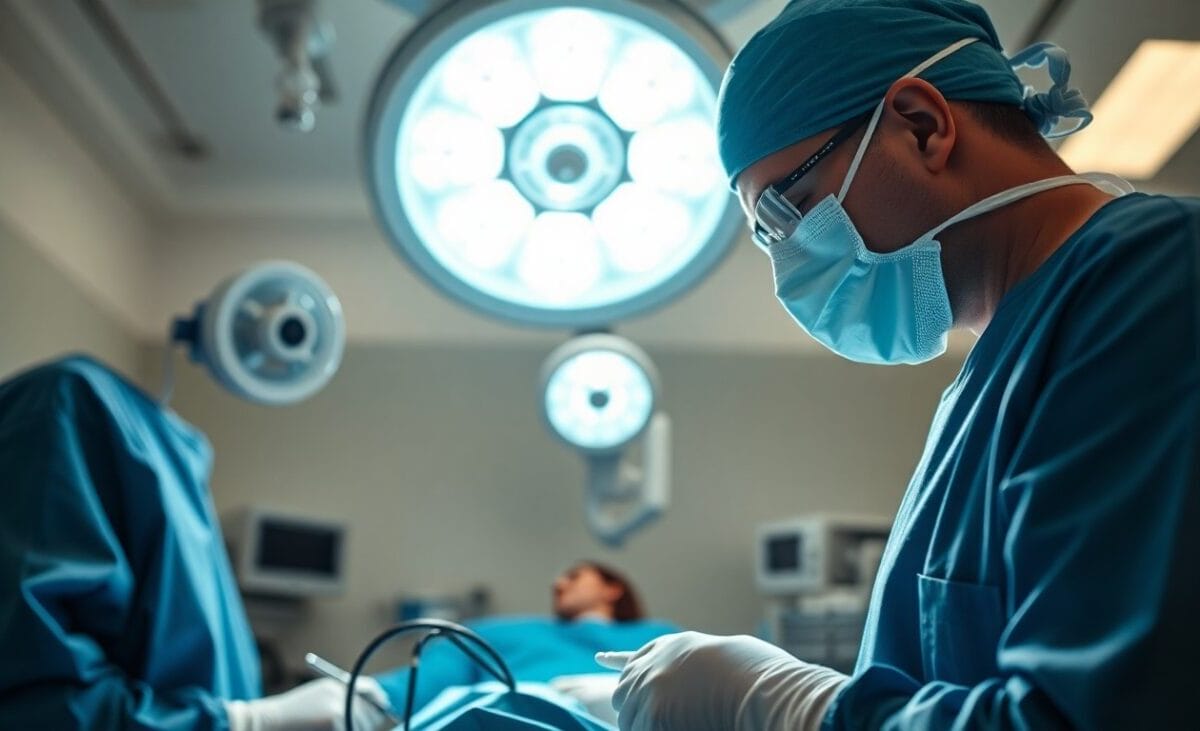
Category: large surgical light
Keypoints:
(553, 163)
(599, 396)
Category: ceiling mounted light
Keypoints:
(553, 163)
(304, 44)
(272, 334)
(599, 395)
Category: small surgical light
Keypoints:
(553, 165)
(599, 396)
(272, 334)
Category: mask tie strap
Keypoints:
(1005, 197)
(917, 70)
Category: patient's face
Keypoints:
(582, 591)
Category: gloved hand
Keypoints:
(696, 682)
(318, 705)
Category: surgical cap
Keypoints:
(821, 63)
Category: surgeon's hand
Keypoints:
(697, 682)
(318, 705)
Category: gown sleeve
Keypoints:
(67, 586)
(1102, 507)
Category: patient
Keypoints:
(596, 609)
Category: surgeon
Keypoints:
(1044, 567)
(118, 609)
(595, 608)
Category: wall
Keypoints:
(73, 246)
(61, 203)
(437, 458)
(43, 314)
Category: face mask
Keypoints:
(881, 308)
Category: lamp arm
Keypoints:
(623, 498)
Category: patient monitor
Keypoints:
(282, 561)
(285, 555)
(816, 573)
(820, 553)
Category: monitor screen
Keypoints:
(296, 547)
(784, 553)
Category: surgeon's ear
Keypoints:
(924, 116)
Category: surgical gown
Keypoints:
(536, 649)
(118, 609)
(1043, 568)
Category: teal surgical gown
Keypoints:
(536, 649)
(1044, 567)
(118, 609)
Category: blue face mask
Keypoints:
(881, 308)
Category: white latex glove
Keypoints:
(594, 691)
(696, 682)
(318, 705)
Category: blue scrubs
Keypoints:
(1043, 569)
(536, 649)
(118, 609)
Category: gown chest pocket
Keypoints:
(961, 625)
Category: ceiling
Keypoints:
(219, 70)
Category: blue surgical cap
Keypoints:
(821, 63)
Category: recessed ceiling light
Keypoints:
(1145, 115)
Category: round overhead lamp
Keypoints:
(599, 395)
(553, 163)
(272, 334)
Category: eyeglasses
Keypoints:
(775, 218)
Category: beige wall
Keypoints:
(438, 460)
(64, 205)
(43, 314)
